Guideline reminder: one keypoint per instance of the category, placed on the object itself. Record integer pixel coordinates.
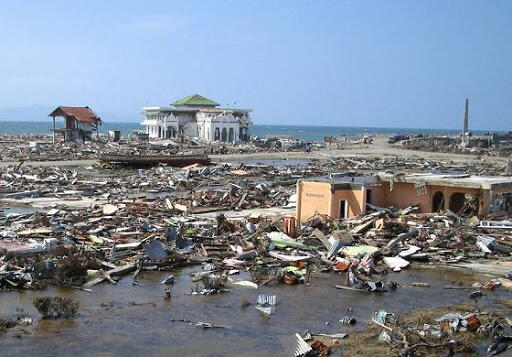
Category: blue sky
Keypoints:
(348, 63)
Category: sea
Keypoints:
(303, 132)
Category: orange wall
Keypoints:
(312, 197)
(404, 194)
(356, 202)
(317, 197)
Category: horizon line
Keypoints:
(292, 125)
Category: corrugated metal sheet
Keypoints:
(335, 247)
(267, 299)
(81, 114)
(302, 347)
(265, 309)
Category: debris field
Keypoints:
(78, 227)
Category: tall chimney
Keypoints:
(465, 124)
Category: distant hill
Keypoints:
(40, 113)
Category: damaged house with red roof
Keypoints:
(79, 123)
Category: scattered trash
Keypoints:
(302, 348)
(348, 320)
(266, 303)
(244, 283)
(396, 263)
(267, 299)
(207, 325)
(420, 285)
(155, 251)
(169, 280)
(384, 317)
(167, 293)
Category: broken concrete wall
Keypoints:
(188, 125)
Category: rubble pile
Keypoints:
(398, 165)
(449, 330)
(108, 233)
(41, 147)
(95, 212)
(483, 145)
(80, 227)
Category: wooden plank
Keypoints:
(318, 233)
(122, 270)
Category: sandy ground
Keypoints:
(61, 163)
(380, 148)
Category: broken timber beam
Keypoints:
(122, 270)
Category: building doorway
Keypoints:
(170, 133)
(437, 201)
(369, 196)
(217, 134)
(224, 135)
(343, 209)
(244, 135)
(231, 136)
(159, 131)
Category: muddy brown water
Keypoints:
(124, 319)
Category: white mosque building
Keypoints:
(197, 117)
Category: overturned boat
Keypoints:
(152, 160)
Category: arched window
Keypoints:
(457, 202)
(231, 136)
(465, 204)
(217, 134)
(224, 135)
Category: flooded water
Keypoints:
(23, 125)
(124, 319)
